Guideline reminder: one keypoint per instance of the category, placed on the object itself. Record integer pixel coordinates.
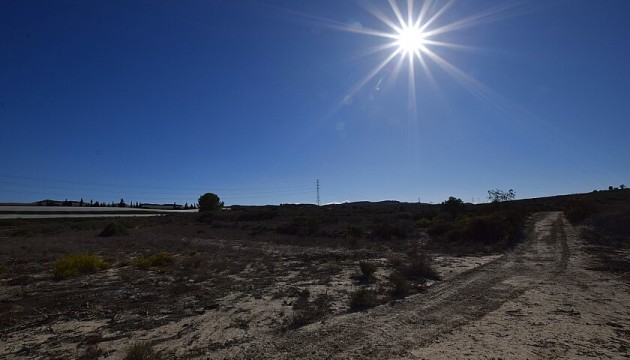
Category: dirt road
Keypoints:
(538, 301)
(550, 297)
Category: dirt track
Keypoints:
(548, 298)
(538, 301)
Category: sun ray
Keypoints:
(412, 30)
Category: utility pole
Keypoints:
(317, 192)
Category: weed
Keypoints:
(161, 259)
(421, 267)
(363, 299)
(193, 262)
(114, 229)
(306, 312)
(77, 264)
(367, 270)
(400, 285)
(141, 351)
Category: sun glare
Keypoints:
(412, 33)
(410, 39)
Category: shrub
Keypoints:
(385, 231)
(367, 269)
(114, 229)
(77, 264)
(421, 268)
(300, 226)
(160, 259)
(355, 232)
(400, 285)
(141, 351)
(578, 210)
(363, 299)
(306, 312)
(494, 231)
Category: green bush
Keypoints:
(161, 259)
(363, 299)
(209, 202)
(141, 351)
(78, 264)
(114, 229)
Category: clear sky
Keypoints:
(161, 101)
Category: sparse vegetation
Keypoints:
(578, 210)
(114, 229)
(306, 312)
(500, 195)
(78, 264)
(161, 259)
(141, 351)
(367, 270)
(400, 285)
(363, 299)
(421, 267)
(231, 264)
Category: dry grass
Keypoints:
(363, 299)
(161, 259)
(78, 264)
(141, 351)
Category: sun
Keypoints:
(410, 39)
(414, 41)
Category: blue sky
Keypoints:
(161, 101)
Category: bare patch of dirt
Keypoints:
(282, 297)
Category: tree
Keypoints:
(500, 195)
(453, 205)
(622, 187)
(209, 202)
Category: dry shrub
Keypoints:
(161, 259)
(363, 299)
(114, 229)
(421, 267)
(77, 264)
(306, 312)
(367, 270)
(400, 285)
(141, 351)
(578, 210)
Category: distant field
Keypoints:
(44, 212)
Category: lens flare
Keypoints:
(412, 37)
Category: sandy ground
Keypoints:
(541, 300)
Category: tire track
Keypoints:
(391, 331)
